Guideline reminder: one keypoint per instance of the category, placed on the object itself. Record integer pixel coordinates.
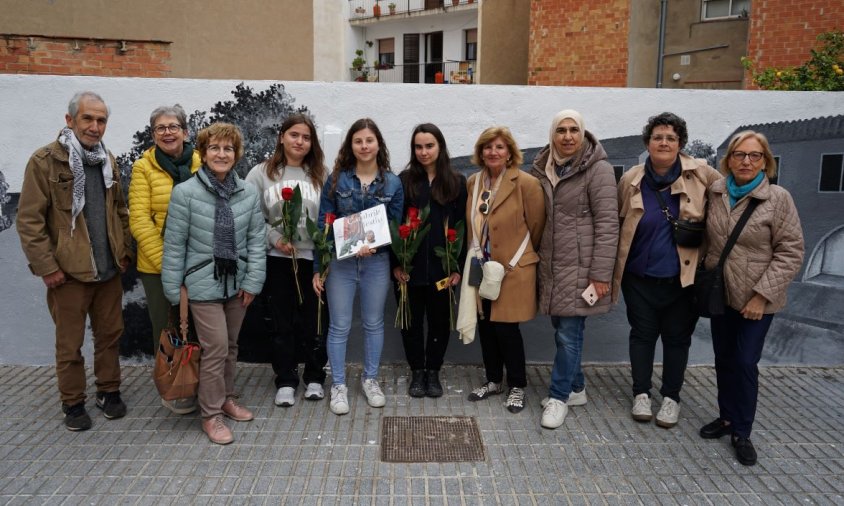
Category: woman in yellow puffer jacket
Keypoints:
(171, 161)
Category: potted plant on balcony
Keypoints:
(376, 9)
(359, 71)
(392, 8)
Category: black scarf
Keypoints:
(178, 168)
(225, 251)
(657, 182)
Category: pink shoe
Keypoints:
(216, 430)
(235, 411)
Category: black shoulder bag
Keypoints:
(709, 284)
(688, 234)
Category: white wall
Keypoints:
(34, 107)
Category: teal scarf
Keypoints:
(737, 192)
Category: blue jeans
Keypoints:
(370, 277)
(566, 376)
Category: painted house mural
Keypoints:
(808, 142)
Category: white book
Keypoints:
(369, 227)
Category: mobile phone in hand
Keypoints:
(590, 295)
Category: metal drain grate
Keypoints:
(430, 439)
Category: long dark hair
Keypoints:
(314, 159)
(346, 157)
(446, 185)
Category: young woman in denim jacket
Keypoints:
(361, 179)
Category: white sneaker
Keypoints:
(642, 408)
(374, 395)
(554, 414)
(286, 397)
(668, 413)
(314, 392)
(575, 399)
(339, 404)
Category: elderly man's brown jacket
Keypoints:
(44, 214)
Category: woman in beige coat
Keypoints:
(653, 271)
(757, 272)
(506, 211)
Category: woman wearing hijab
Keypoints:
(578, 249)
(214, 245)
(171, 161)
(653, 271)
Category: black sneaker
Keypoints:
(75, 417)
(484, 391)
(111, 404)
(417, 384)
(515, 400)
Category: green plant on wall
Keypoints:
(823, 72)
(358, 62)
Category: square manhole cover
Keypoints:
(430, 439)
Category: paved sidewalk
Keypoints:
(306, 455)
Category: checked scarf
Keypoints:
(225, 252)
(77, 157)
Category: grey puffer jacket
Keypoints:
(580, 239)
(189, 242)
(769, 250)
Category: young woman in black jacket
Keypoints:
(429, 180)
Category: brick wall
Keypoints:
(576, 43)
(21, 54)
(783, 31)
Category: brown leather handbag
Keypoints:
(176, 372)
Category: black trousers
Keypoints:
(502, 346)
(738, 344)
(659, 307)
(294, 334)
(426, 302)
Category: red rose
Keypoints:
(287, 193)
(414, 223)
(451, 235)
(412, 213)
(329, 218)
(404, 231)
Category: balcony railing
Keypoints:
(366, 9)
(450, 72)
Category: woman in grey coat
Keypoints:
(214, 245)
(577, 253)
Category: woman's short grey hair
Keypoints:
(169, 110)
(73, 105)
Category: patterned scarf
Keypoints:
(78, 156)
(225, 252)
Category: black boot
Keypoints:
(417, 384)
(435, 389)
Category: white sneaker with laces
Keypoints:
(285, 397)
(374, 395)
(554, 414)
(641, 411)
(575, 399)
(339, 404)
(314, 392)
(668, 413)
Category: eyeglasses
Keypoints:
(739, 156)
(216, 149)
(162, 129)
(670, 139)
(484, 207)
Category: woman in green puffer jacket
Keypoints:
(214, 244)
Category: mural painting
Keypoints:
(806, 133)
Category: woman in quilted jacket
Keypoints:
(578, 248)
(215, 245)
(172, 160)
(757, 272)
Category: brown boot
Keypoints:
(216, 430)
(235, 411)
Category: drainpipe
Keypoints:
(663, 7)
